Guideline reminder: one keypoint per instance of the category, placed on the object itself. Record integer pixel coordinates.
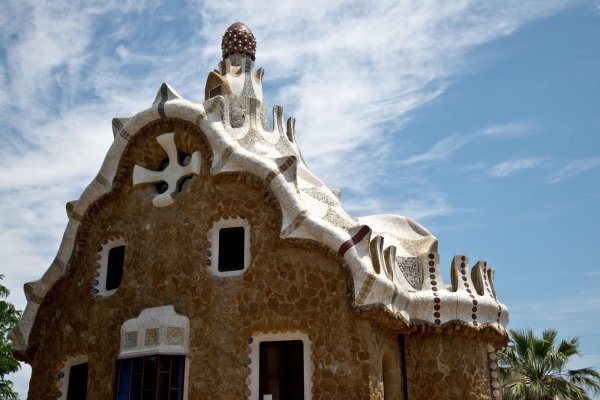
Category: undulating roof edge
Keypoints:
(393, 260)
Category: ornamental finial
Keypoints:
(238, 39)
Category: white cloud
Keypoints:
(443, 149)
(417, 209)
(509, 167)
(573, 168)
(352, 73)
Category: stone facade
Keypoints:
(314, 273)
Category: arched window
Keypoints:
(109, 266)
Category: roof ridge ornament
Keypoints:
(238, 39)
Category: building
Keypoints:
(206, 261)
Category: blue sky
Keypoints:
(479, 119)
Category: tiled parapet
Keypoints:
(469, 298)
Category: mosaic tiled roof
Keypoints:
(392, 260)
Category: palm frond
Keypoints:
(534, 368)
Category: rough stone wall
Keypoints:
(385, 368)
(290, 286)
(447, 367)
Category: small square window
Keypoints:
(228, 252)
(78, 377)
(231, 248)
(114, 272)
(214, 92)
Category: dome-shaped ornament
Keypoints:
(238, 39)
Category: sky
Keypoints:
(479, 119)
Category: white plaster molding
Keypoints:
(99, 281)
(64, 373)
(158, 330)
(172, 173)
(254, 359)
(212, 261)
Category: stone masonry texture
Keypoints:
(291, 285)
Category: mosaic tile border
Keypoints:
(492, 359)
(157, 330)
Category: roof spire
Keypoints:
(238, 39)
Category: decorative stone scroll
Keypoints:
(171, 175)
(158, 330)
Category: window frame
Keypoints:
(212, 260)
(232, 235)
(184, 372)
(216, 91)
(254, 359)
(64, 374)
(103, 251)
(288, 370)
(110, 273)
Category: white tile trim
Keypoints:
(213, 237)
(160, 320)
(254, 343)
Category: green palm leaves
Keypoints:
(535, 368)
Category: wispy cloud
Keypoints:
(569, 303)
(418, 209)
(509, 167)
(573, 168)
(443, 149)
(349, 71)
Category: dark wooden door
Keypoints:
(282, 370)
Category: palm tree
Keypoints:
(535, 368)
